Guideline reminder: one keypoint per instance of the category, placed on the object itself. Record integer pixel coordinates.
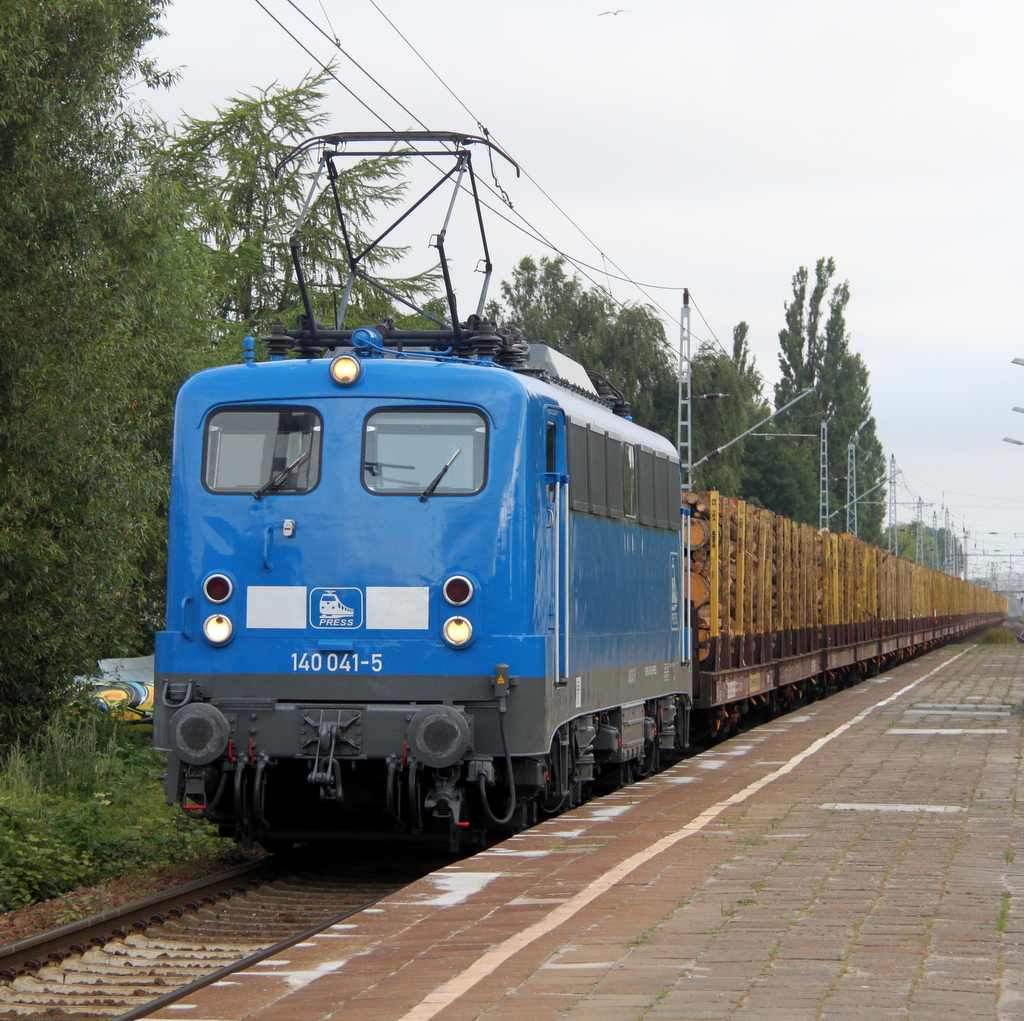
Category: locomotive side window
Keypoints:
(613, 476)
(550, 455)
(661, 490)
(629, 480)
(667, 493)
(579, 490)
(262, 450)
(596, 471)
(645, 486)
(414, 452)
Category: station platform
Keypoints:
(862, 858)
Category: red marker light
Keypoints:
(218, 588)
(458, 590)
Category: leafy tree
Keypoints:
(719, 419)
(624, 342)
(97, 296)
(935, 544)
(820, 358)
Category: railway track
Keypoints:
(130, 961)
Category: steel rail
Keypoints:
(56, 944)
(229, 969)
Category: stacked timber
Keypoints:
(748, 549)
(697, 538)
(755, 575)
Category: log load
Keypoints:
(764, 587)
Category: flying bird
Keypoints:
(621, 10)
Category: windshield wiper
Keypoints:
(437, 478)
(374, 467)
(276, 480)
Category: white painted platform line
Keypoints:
(981, 710)
(854, 806)
(600, 814)
(945, 730)
(436, 1000)
(500, 852)
(537, 832)
(585, 965)
(954, 712)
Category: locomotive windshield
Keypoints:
(406, 451)
(262, 450)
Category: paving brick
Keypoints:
(778, 910)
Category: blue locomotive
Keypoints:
(425, 580)
(414, 590)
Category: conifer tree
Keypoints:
(237, 204)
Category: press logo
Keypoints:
(336, 608)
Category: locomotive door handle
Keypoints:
(556, 558)
(567, 583)
(268, 534)
(561, 576)
(185, 633)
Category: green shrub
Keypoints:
(82, 804)
(998, 636)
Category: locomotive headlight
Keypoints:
(346, 369)
(218, 629)
(457, 632)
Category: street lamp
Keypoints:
(1010, 439)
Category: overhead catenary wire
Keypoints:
(579, 264)
(328, 18)
(334, 41)
(625, 278)
(527, 228)
(325, 66)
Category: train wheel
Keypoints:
(558, 790)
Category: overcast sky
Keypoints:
(719, 146)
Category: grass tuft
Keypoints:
(1004, 913)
